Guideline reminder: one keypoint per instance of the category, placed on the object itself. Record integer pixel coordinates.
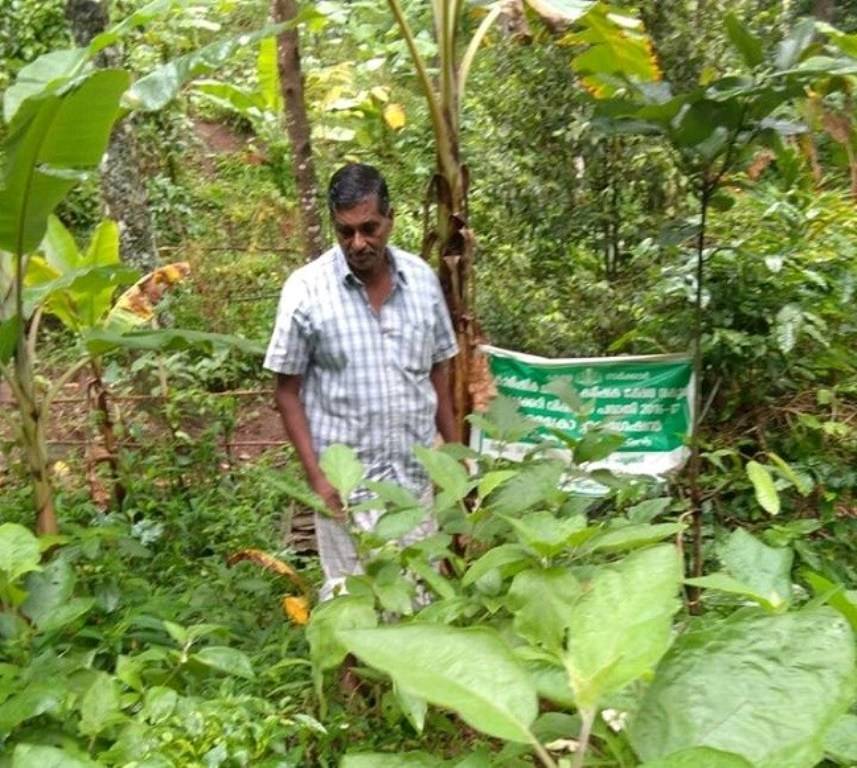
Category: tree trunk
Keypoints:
(824, 10)
(123, 188)
(298, 127)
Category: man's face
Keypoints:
(362, 233)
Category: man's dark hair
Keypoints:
(353, 183)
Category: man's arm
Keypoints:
(287, 396)
(444, 418)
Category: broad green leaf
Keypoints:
(545, 534)
(396, 523)
(648, 510)
(505, 554)
(490, 481)
(444, 471)
(99, 707)
(503, 421)
(413, 707)
(342, 468)
(789, 51)
(596, 445)
(36, 699)
(723, 582)
(268, 75)
(42, 164)
(383, 760)
(765, 687)
(551, 681)
(763, 485)
(767, 570)
(47, 74)
(632, 536)
(350, 612)
(65, 614)
(231, 97)
(41, 756)
(747, 44)
(59, 248)
(469, 670)
(699, 757)
(162, 85)
(834, 595)
(803, 483)
(225, 659)
(393, 494)
(533, 484)
(19, 551)
(159, 703)
(840, 743)
(621, 625)
(541, 600)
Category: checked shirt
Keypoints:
(365, 375)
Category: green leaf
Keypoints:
(648, 510)
(8, 337)
(47, 74)
(380, 760)
(789, 51)
(765, 687)
(38, 698)
(413, 707)
(596, 445)
(225, 659)
(840, 743)
(65, 614)
(350, 612)
(395, 524)
(59, 248)
(159, 87)
(767, 570)
(505, 554)
(533, 484)
(491, 481)
(342, 468)
(700, 757)
(544, 534)
(803, 483)
(99, 707)
(787, 327)
(42, 164)
(747, 44)
(632, 536)
(470, 671)
(541, 600)
(19, 551)
(834, 595)
(444, 471)
(159, 703)
(503, 421)
(723, 582)
(621, 625)
(763, 484)
(268, 75)
(40, 756)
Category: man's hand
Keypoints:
(330, 496)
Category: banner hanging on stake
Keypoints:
(648, 399)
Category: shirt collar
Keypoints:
(345, 275)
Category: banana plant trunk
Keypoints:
(33, 438)
(455, 271)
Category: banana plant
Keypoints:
(615, 49)
(59, 114)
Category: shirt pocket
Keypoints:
(331, 352)
(416, 347)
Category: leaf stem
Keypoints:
(588, 717)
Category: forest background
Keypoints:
(166, 461)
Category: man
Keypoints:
(361, 349)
